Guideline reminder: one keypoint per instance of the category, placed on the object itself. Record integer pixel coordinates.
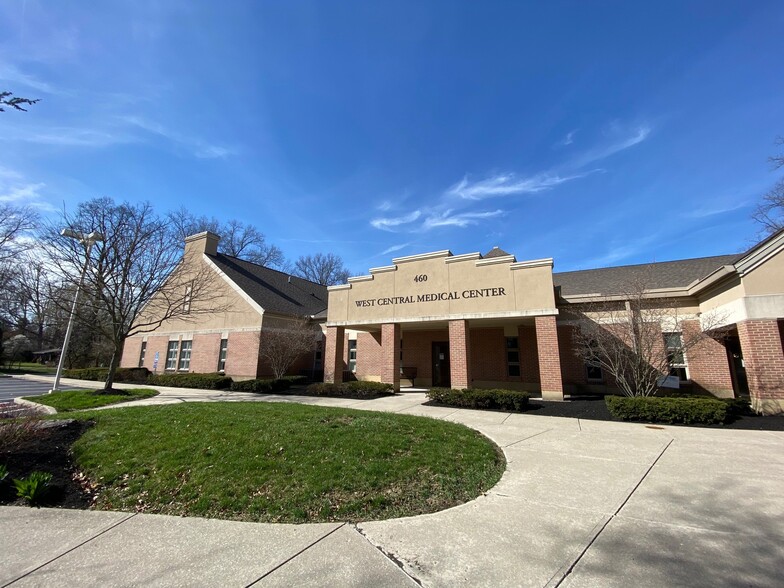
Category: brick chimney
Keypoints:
(199, 243)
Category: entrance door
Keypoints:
(737, 368)
(441, 374)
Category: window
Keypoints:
(142, 353)
(512, 357)
(593, 371)
(673, 343)
(224, 347)
(185, 356)
(186, 305)
(171, 355)
(317, 356)
(352, 355)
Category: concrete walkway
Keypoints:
(582, 503)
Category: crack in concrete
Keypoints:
(74, 548)
(558, 578)
(388, 554)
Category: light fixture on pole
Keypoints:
(89, 240)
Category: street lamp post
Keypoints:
(89, 240)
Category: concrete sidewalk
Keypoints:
(582, 503)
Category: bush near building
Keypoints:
(356, 389)
(698, 410)
(98, 374)
(203, 381)
(514, 400)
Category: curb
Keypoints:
(36, 406)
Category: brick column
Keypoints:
(390, 354)
(549, 358)
(763, 355)
(460, 354)
(333, 355)
(709, 366)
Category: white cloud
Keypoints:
(568, 139)
(198, 147)
(623, 139)
(389, 223)
(712, 211)
(506, 184)
(394, 248)
(462, 219)
(15, 190)
(11, 74)
(75, 137)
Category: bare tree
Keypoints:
(15, 221)
(638, 338)
(26, 302)
(133, 281)
(770, 212)
(237, 239)
(15, 102)
(326, 269)
(282, 346)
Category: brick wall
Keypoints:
(204, 353)
(242, 355)
(763, 355)
(131, 350)
(156, 344)
(529, 355)
(418, 353)
(334, 362)
(572, 365)
(708, 364)
(488, 355)
(549, 358)
(460, 354)
(369, 356)
(390, 354)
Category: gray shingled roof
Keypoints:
(495, 252)
(274, 291)
(666, 274)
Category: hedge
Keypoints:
(668, 410)
(357, 389)
(203, 381)
(134, 375)
(261, 386)
(515, 400)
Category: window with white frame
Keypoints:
(352, 355)
(224, 349)
(185, 356)
(142, 353)
(186, 305)
(171, 355)
(673, 343)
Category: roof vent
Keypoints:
(289, 280)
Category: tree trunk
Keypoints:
(113, 365)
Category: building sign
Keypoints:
(155, 362)
(432, 297)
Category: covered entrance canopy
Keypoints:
(461, 307)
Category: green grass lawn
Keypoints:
(278, 462)
(28, 368)
(69, 400)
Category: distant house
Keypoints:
(253, 299)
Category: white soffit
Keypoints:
(495, 260)
(463, 257)
(422, 256)
(532, 263)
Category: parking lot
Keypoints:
(11, 388)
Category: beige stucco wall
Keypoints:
(767, 278)
(443, 287)
(215, 306)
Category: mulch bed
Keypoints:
(48, 449)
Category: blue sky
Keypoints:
(596, 133)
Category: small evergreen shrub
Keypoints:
(202, 381)
(260, 386)
(34, 488)
(355, 389)
(133, 375)
(668, 409)
(296, 380)
(514, 400)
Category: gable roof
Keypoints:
(609, 281)
(276, 292)
(495, 252)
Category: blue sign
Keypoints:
(155, 362)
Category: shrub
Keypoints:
(296, 380)
(261, 386)
(3, 472)
(668, 410)
(203, 381)
(33, 488)
(133, 375)
(354, 389)
(514, 400)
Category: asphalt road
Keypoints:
(11, 388)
